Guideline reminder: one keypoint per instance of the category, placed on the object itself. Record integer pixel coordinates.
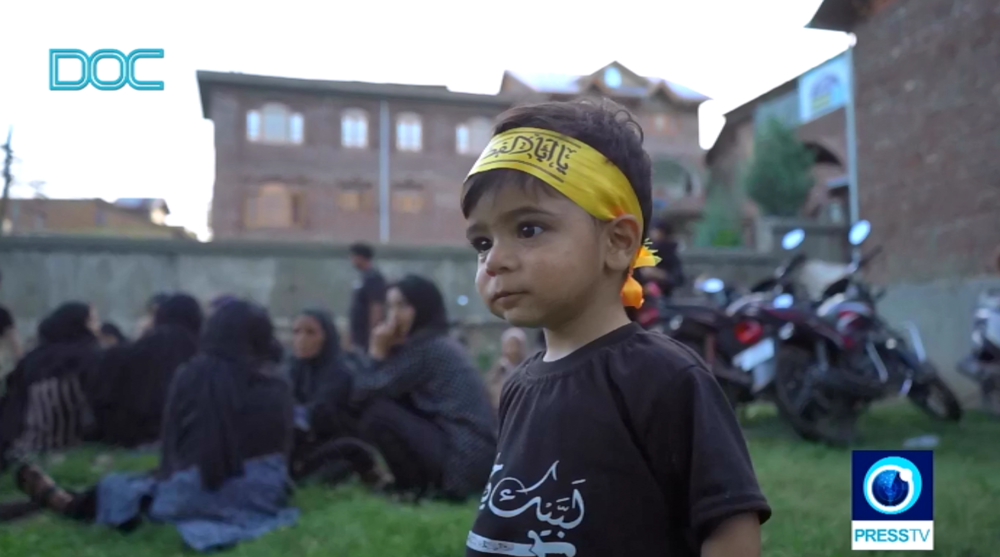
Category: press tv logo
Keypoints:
(892, 500)
(88, 69)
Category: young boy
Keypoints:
(615, 441)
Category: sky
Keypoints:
(128, 143)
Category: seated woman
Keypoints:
(425, 405)
(320, 373)
(223, 475)
(129, 392)
(44, 407)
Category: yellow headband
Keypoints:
(577, 171)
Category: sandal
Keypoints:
(41, 488)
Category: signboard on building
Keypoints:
(824, 89)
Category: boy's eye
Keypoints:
(481, 245)
(528, 230)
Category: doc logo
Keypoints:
(892, 500)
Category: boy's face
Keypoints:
(541, 257)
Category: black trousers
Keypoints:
(413, 446)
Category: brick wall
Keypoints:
(928, 125)
(317, 170)
(320, 167)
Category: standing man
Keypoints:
(368, 298)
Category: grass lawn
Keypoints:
(808, 486)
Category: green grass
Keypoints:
(808, 487)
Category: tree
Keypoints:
(721, 222)
(780, 174)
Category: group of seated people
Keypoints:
(234, 420)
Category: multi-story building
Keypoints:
(344, 161)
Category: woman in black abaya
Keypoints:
(426, 409)
(317, 365)
(223, 474)
(130, 390)
(326, 423)
(44, 407)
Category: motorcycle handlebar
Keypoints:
(793, 264)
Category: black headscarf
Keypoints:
(204, 418)
(309, 376)
(323, 383)
(130, 391)
(179, 310)
(430, 317)
(68, 323)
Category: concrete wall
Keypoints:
(119, 275)
(823, 240)
(942, 310)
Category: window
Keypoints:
(462, 140)
(613, 77)
(295, 130)
(408, 197)
(354, 196)
(275, 123)
(472, 137)
(354, 129)
(273, 206)
(253, 125)
(409, 135)
(661, 123)
(835, 212)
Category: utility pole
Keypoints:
(7, 178)
(383, 172)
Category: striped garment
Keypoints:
(56, 417)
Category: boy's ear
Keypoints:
(624, 236)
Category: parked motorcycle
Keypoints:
(841, 356)
(737, 346)
(983, 362)
(899, 360)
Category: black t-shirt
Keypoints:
(625, 447)
(368, 289)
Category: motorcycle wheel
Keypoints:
(933, 396)
(822, 418)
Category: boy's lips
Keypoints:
(506, 296)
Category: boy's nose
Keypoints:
(499, 260)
